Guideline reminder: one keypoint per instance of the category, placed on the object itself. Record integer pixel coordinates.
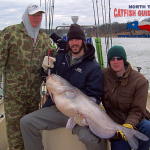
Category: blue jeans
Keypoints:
(143, 127)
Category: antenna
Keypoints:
(74, 19)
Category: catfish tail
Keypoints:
(133, 136)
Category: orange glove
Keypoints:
(120, 133)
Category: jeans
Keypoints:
(143, 127)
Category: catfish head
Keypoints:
(56, 84)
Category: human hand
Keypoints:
(128, 126)
(47, 64)
(120, 133)
(102, 106)
(78, 119)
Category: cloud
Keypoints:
(11, 11)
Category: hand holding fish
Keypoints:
(120, 133)
(49, 63)
(71, 101)
(78, 119)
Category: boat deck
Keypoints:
(66, 139)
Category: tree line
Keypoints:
(101, 30)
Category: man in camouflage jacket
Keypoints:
(22, 49)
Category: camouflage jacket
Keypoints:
(20, 60)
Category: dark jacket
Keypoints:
(85, 73)
(125, 98)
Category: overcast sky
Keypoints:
(11, 11)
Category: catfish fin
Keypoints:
(85, 122)
(70, 123)
(70, 94)
(133, 136)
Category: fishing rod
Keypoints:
(98, 16)
(95, 18)
(49, 16)
(49, 13)
(108, 28)
(45, 17)
(104, 20)
(106, 39)
(102, 11)
(96, 33)
(99, 42)
(40, 3)
(52, 12)
(110, 23)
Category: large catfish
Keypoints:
(71, 101)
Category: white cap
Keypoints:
(33, 8)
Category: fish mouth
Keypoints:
(57, 82)
(51, 95)
(54, 76)
(51, 75)
(57, 78)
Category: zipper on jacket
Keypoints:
(67, 61)
(113, 87)
(112, 90)
(77, 62)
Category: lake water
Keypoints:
(138, 52)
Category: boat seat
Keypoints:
(63, 139)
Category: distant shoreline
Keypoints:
(122, 35)
(132, 34)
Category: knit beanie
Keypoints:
(75, 32)
(117, 50)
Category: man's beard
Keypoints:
(80, 49)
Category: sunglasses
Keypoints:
(118, 58)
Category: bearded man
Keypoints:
(78, 66)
